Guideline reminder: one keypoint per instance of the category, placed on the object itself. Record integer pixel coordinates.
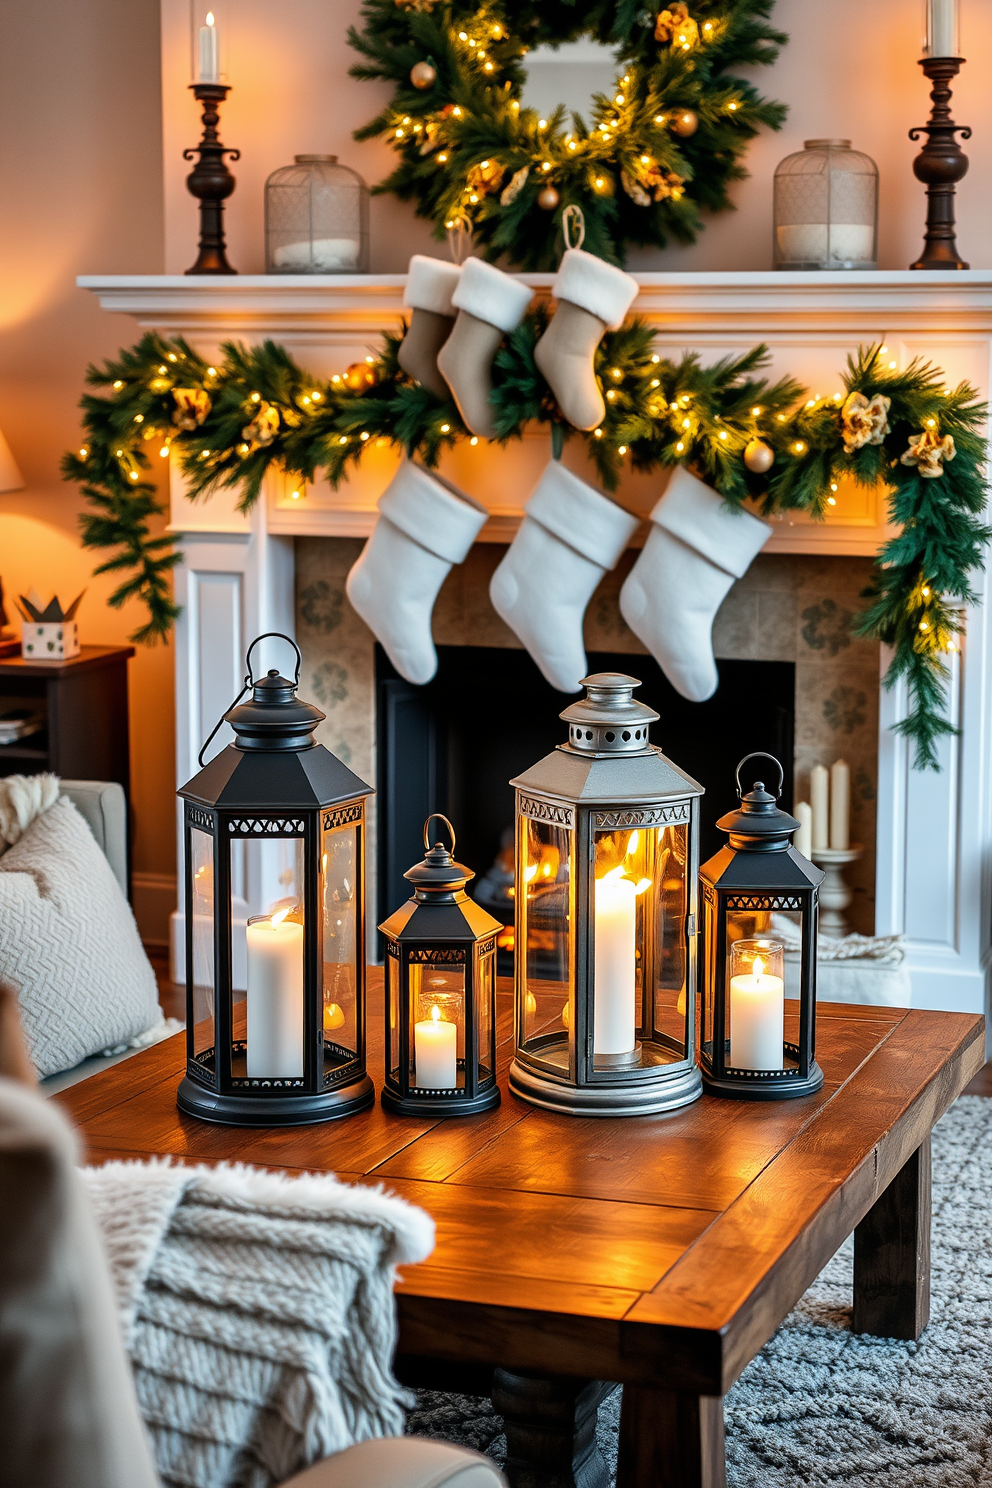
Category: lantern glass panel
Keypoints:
(544, 879)
(485, 972)
(784, 926)
(393, 993)
(639, 956)
(202, 869)
(437, 1018)
(339, 879)
(267, 1025)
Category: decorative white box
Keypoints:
(56, 640)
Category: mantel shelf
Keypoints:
(809, 321)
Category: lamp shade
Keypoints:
(11, 478)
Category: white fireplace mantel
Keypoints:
(236, 580)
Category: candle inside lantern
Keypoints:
(275, 997)
(209, 69)
(615, 973)
(435, 1052)
(757, 1007)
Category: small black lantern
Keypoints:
(440, 992)
(286, 1046)
(759, 913)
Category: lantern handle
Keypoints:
(761, 754)
(250, 682)
(428, 845)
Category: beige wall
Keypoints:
(850, 70)
(80, 192)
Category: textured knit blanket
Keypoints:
(258, 1313)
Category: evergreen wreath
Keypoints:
(229, 423)
(657, 151)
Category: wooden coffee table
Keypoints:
(658, 1251)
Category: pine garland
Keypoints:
(660, 149)
(904, 430)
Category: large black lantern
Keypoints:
(759, 909)
(440, 992)
(275, 1003)
(605, 903)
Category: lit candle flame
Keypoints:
(613, 874)
(278, 917)
(635, 838)
(641, 885)
(210, 18)
(530, 872)
(758, 967)
(436, 1013)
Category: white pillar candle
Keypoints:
(209, 70)
(614, 976)
(757, 1019)
(275, 998)
(819, 795)
(435, 1055)
(942, 37)
(840, 805)
(803, 840)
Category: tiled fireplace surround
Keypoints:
(926, 869)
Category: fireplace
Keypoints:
(488, 714)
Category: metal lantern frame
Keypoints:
(607, 779)
(759, 872)
(274, 783)
(441, 927)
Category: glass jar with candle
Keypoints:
(316, 218)
(275, 1013)
(440, 992)
(605, 901)
(759, 923)
(826, 208)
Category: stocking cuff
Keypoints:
(594, 285)
(580, 516)
(433, 513)
(491, 295)
(430, 283)
(697, 515)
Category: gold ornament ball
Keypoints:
(684, 123)
(759, 457)
(423, 75)
(360, 376)
(548, 199)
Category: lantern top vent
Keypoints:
(608, 720)
(759, 824)
(438, 873)
(275, 718)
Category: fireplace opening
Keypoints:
(488, 714)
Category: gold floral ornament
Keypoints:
(927, 451)
(485, 177)
(192, 407)
(865, 421)
(676, 26)
(264, 426)
(425, 6)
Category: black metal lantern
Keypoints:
(759, 911)
(605, 900)
(287, 1046)
(440, 992)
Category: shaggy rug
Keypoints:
(821, 1405)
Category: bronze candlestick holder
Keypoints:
(211, 181)
(940, 164)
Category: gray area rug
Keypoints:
(820, 1405)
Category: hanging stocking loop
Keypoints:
(573, 220)
(250, 682)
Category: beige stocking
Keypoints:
(427, 333)
(489, 304)
(593, 296)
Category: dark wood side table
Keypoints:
(660, 1252)
(86, 720)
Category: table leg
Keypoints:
(550, 1430)
(892, 1255)
(670, 1440)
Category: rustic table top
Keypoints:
(660, 1250)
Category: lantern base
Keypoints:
(783, 1087)
(426, 1105)
(636, 1098)
(194, 1099)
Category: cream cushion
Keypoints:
(401, 1462)
(69, 944)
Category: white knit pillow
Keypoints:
(69, 944)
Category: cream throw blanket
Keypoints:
(258, 1313)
